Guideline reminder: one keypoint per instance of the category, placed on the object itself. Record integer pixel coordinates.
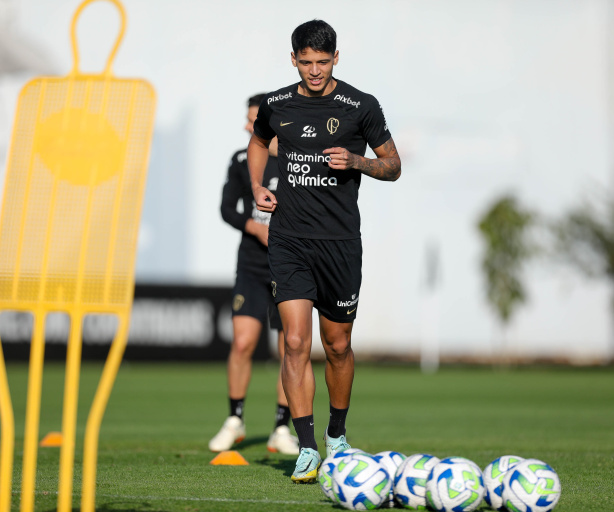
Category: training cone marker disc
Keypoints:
(229, 458)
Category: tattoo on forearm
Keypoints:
(387, 168)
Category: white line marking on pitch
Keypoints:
(185, 498)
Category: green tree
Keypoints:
(585, 239)
(505, 230)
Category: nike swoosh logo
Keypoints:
(350, 312)
(285, 124)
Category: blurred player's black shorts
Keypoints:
(251, 296)
(328, 272)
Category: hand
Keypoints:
(265, 200)
(340, 158)
(260, 231)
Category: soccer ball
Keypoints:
(455, 485)
(493, 479)
(391, 461)
(410, 480)
(360, 482)
(531, 486)
(325, 474)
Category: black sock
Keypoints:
(283, 415)
(236, 407)
(305, 432)
(336, 423)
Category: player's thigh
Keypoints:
(336, 336)
(290, 262)
(338, 276)
(296, 318)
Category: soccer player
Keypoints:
(323, 126)
(252, 301)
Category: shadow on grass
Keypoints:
(251, 441)
(286, 466)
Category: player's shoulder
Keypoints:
(239, 157)
(349, 96)
(280, 97)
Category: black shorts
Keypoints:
(251, 296)
(328, 272)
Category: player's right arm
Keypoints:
(257, 157)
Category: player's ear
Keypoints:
(336, 57)
(293, 57)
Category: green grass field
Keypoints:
(153, 445)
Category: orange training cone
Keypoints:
(230, 458)
(52, 440)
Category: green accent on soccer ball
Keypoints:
(548, 488)
(511, 507)
(326, 480)
(469, 476)
(495, 471)
(381, 486)
(452, 493)
(369, 505)
(420, 481)
(420, 464)
(429, 499)
(526, 485)
(536, 467)
(359, 467)
(341, 465)
(471, 499)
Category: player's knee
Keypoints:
(338, 347)
(243, 346)
(295, 345)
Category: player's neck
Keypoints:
(305, 91)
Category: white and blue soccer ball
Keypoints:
(391, 462)
(360, 482)
(325, 473)
(410, 480)
(493, 479)
(455, 484)
(531, 486)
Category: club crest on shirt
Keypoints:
(237, 302)
(331, 125)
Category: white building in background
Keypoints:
(482, 97)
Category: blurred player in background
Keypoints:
(323, 126)
(252, 300)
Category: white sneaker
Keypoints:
(232, 431)
(282, 441)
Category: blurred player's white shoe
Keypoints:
(232, 431)
(282, 441)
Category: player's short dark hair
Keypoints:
(255, 100)
(315, 34)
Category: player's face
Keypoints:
(316, 71)
(252, 114)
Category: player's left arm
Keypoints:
(386, 167)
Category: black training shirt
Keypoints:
(238, 206)
(313, 200)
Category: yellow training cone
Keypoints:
(229, 458)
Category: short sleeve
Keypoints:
(374, 126)
(262, 125)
